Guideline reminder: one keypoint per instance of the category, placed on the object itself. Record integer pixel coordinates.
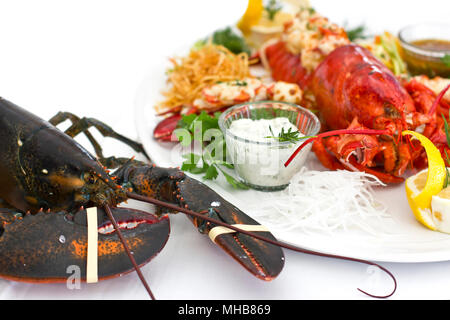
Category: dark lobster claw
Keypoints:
(41, 247)
(262, 259)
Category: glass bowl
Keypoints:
(259, 163)
(421, 60)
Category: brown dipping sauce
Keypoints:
(433, 44)
(431, 66)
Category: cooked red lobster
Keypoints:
(353, 90)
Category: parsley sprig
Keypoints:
(272, 8)
(288, 136)
(359, 32)
(212, 160)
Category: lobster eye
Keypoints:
(89, 178)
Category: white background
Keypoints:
(89, 57)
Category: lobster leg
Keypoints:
(384, 177)
(330, 161)
(63, 116)
(263, 260)
(82, 126)
(7, 216)
(327, 160)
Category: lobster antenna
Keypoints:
(274, 242)
(127, 250)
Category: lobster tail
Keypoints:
(284, 65)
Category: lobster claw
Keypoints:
(262, 259)
(163, 131)
(42, 247)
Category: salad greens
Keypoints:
(446, 61)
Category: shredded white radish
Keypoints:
(325, 201)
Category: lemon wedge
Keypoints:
(277, 22)
(267, 29)
(251, 16)
(421, 187)
(414, 186)
(440, 209)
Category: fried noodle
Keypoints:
(202, 67)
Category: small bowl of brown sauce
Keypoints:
(426, 49)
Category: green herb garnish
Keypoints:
(446, 60)
(272, 8)
(357, 33)
(288, 136)
(447, 176)
(227, 38)
(212, 161)
(230, 40)
(240, 83)
(210, 168)
(446, 129)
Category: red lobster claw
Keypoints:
(166, 127)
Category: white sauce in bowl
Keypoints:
(258, 158)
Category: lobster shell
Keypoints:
(351, 83)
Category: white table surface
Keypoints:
(89, 57)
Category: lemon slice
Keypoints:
(251, 16)
(421, 187)
(265, 23)
(414, 186)
(267, 29)
(440, 205)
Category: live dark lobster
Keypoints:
(46, 176)
(48, 179)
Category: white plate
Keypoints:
(410, 243)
